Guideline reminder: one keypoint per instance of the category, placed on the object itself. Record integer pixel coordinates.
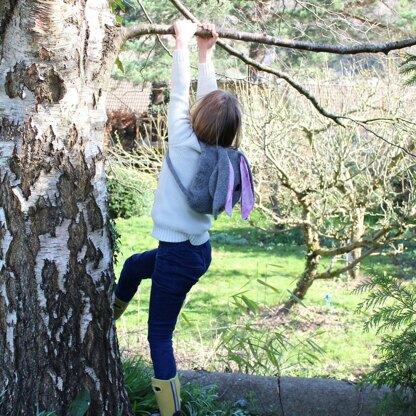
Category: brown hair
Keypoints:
(216, 119)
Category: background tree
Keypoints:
(350, 195)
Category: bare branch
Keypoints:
(363, 125)
(151, 22)
(153, 29)
(142, 29)
(353, 246)
(329, 274)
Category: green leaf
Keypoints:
(119, 65)
(118, 4)
(262, 282)
(292, 295)
(81, 403)
(251, 304)
(185, 318)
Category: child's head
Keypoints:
(216, 119)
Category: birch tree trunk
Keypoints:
(57, 335)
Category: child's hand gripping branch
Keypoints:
(184, 30)
(206, 44)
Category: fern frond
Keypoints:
(408, 69)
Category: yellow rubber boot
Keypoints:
(119, 307)
(168, 396)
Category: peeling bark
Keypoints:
(57, 335)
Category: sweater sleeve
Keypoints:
(179, 126)
(206, 80)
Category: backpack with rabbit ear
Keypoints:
(223, 177)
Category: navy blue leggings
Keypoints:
(174, 268)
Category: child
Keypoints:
(184, 251)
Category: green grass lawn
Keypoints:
(242, 256)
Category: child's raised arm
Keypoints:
(206, 45)
(178, 112)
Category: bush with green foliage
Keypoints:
(130, 192)
(392, 306)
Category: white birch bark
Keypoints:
(57, 335)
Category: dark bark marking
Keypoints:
(94, 214)
(111, 48)
(6, 278)
(93, 254)
(6, 130)
(6, 18)
(44, 83)
(77, 236)
(67, 196)
(78, 60)
(56, 86)
(45, 217)
(49, 282)
(74, 186)
(45, 55)
(85, 52)
(15, 165)
(2, 235)
(73, 138)
(37, 155)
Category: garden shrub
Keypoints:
(130, 192)
(392, 305)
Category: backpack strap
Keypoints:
(175, 174)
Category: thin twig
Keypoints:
(151, 22)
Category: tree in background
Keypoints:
(351, 194)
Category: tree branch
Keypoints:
(363, 125)
(329, 275)
(156, 29)
(377, 246)
(151, 22)
(353, 246)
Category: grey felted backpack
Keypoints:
(223, 176)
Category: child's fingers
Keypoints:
(186, 27)
(210, 27)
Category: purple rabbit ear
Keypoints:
(229, 200)
(247, 197)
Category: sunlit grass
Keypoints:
(241, 257)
